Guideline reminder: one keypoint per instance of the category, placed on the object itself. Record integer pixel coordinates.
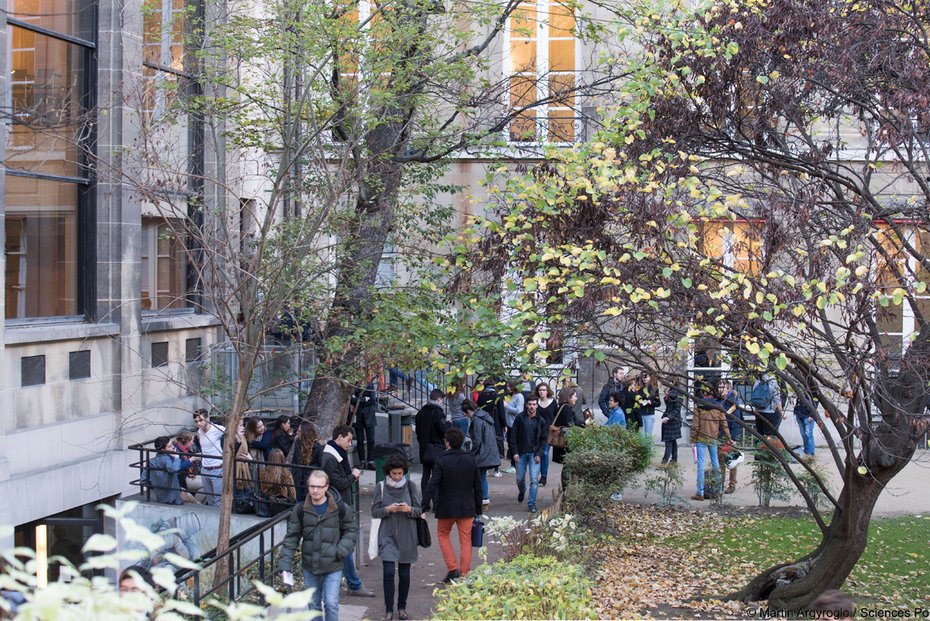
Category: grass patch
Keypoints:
(893, 571)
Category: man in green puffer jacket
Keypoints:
(327, 533)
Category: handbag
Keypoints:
(245, 504)
(557, 437)
(477, 532)
(432, 453)
(424, 539)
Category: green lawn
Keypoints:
(893, 572)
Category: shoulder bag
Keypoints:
(375, 529)
(424, 540)
(557, 437)
(432, 453)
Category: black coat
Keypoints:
(492, 402)
(455, 486)
(430, 427)
(530, 435)
(671, 430)
(366, 404)
(282, 442)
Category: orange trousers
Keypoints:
(444, 532)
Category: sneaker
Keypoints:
(616, 497)
(362, 592)
(497, 474)
(521, 495)
(533, 510)
(486, 502)
(510, 470)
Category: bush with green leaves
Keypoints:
(665, 483)
(527, 587)
(605, 459)
(768, 476)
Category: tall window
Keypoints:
(164, 267)
(48, 185)
(735, 244)
(541, 60)
(164, 54)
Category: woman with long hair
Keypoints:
(397, 504)
(259, 438)
(307, 452)
(545, 410)
(244, 474)
(564, 418)
(276, 480)
(282, 435)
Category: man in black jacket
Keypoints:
(455, 487)
(613, 386)
(342, 476)
(365, 406)
(530, 433)
(430, 426)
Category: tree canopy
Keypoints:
(760, 191)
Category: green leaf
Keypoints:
(686, 282)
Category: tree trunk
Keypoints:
(793, 586)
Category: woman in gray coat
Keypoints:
(397, 504)
(483, 443)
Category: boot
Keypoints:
(732, 486)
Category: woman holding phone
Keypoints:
(397, 504)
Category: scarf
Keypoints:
(395, 484)
(341, 456)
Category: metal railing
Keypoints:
(241, 575)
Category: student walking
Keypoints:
(530, 432)
(671, 426)
(455, 490)
(397, 505)
(326, 532)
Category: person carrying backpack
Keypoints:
(327, 533)
(766, 401)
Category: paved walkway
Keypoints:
(906, 495)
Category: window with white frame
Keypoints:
(164, 267)
(736, 245)
(541, 59)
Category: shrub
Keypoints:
(604, 460)
(528, 587)
(768, 476)
(665, 483)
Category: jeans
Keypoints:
(649, 423)
(403, 585)
(671, 452)
(712, 449)
(348, 569)
(325, 587)
(528, 461)
(543, 466)
(806, 425)
(462, 423)
(212, 486)
(767, 423)
(483, 472)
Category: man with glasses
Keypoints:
(326, 533)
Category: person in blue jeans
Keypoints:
(326, 532)
(805, 418)
(530, 432)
